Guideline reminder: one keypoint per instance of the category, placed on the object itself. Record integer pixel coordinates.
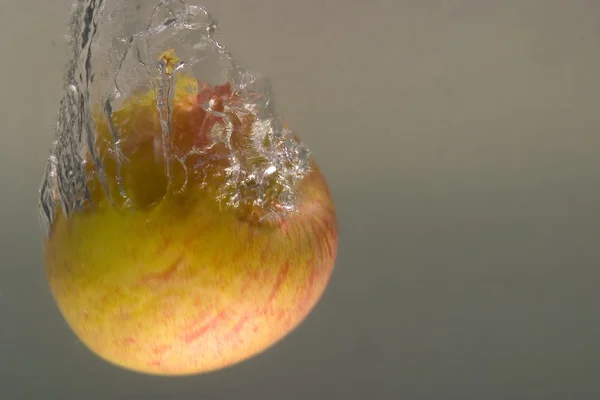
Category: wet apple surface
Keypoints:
(173, 282)
(186, 227)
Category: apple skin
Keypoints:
(186, 286)
(189, 288)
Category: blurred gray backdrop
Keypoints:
(460, 139)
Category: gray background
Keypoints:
(460, 139)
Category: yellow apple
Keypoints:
(173, 282)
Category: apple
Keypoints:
(172, 281)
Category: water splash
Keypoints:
(119, 50)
